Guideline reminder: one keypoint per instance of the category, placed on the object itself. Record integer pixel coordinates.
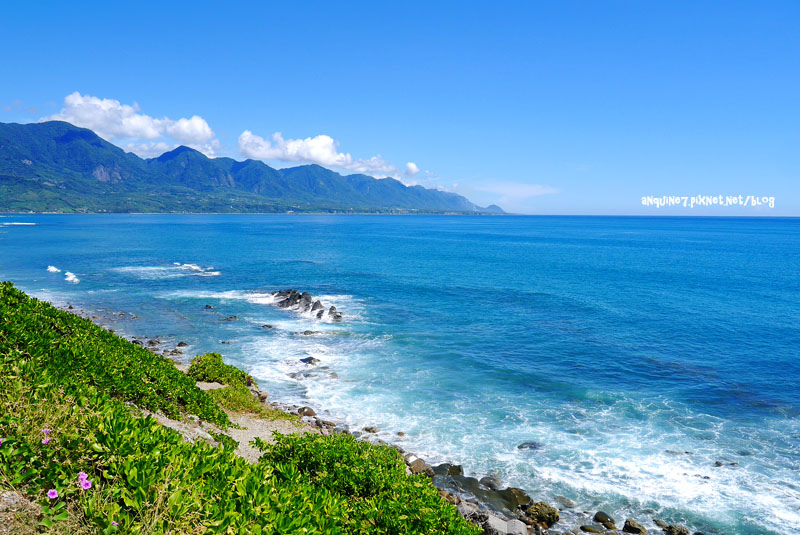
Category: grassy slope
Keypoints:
(62, 373)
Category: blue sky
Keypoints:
(557, 107)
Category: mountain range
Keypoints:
(58, 167)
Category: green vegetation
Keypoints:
(71, 443)
(80, 353)
(211, 369)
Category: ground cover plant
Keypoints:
(71, 441)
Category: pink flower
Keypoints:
(46, 440)
(114, 523)
(82, 476)
(86, 484)
(47, 431)
(52, 494)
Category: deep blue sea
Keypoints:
(637, 351)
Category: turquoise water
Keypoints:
(619, 344)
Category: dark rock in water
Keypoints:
(515, 497)
(491, 482)
(226, 341)
(266, 326)
(593, 529)
(310, 333)
(153, 342)
(632, 526)
(306, 411)
(676, 530)
(400, 434)
(720, 463)
(335, 316)
(446, 469)
(208, 307)
(660, 523)
(418, 466)
(370, 429)
(182, 344)
(320, 314)
(137, 342)
(231, 318)
(543, 514)
(531, 445)
(605, 519)
(565, 502)
(317, 305)
(311, 361)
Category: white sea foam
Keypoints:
(70, 277)
(18, 224)
(53, 269)
(174, 271)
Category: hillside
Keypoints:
(57, 167)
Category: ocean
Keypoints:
(639, 353)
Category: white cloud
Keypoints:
(149, 150)
(517, 191)
(514, 196)
(146, 135)
(322, 150)
(194, 130)
(411, 169)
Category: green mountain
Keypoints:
(57, 167)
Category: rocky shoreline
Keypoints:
(485, 501)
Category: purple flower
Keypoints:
(52, 494)
(82, 476)
(114, 523)
(47, 431)
(86, 484)
(1, 441)
(46, 440)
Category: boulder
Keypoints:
(447, 469)
(311, 361)
(632, 526)
(231, 318)
(530, 445)
(516, 527)
(418, 466)
(182, 344)
(317, 305)
(515, 497)
(605, 519)
(266, 326)
(543, 514)
(306, 411)
(593, 529)
(660, 523)
(565, 502)
(490, 482)
(494, 525)
(370, 429)
(208, 307)
(676, 530)
(467, 509)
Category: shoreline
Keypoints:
(479, 498)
